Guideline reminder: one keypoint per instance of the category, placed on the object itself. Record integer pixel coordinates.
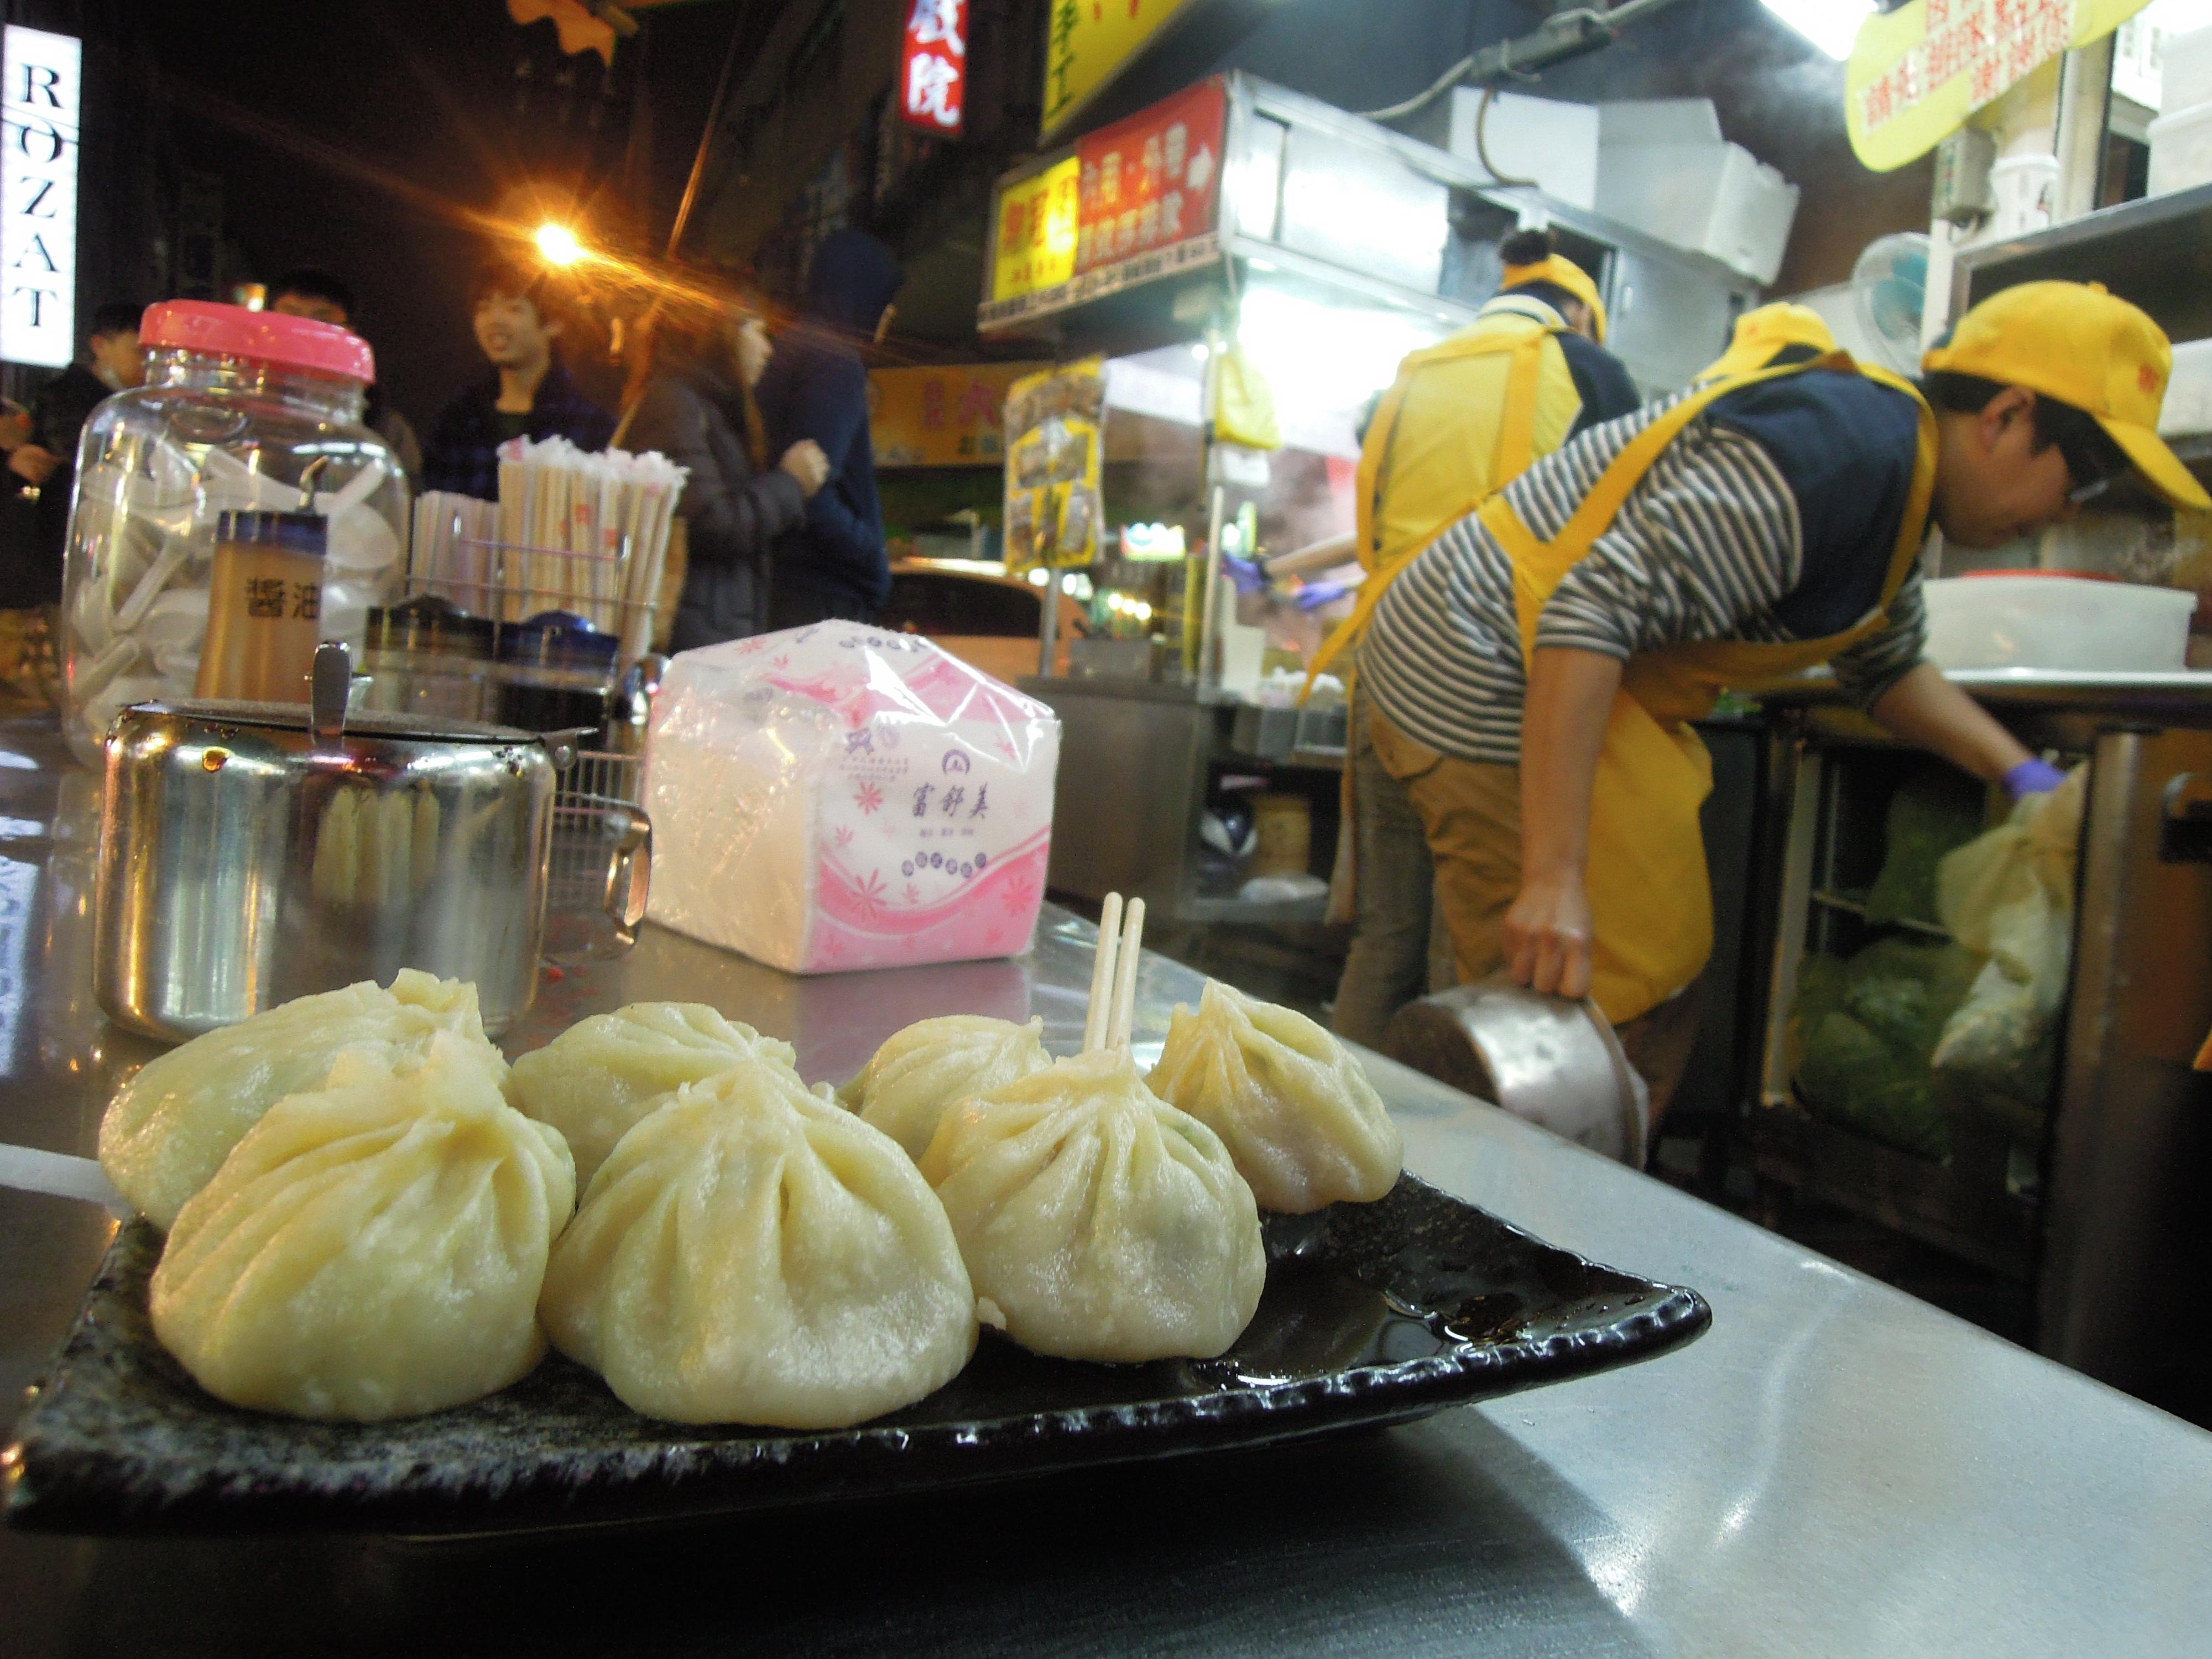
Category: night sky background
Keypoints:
(358, 137)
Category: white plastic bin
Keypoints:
(1716, 199)
(2185, 70)
(2181, 150)
(2061, 622)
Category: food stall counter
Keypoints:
(1833, 1469)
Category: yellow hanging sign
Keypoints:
(1035, 237)
(1917, 73)
(1091, 40)
(948, 416)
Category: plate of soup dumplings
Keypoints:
(380, 1279)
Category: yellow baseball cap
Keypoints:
(2076, 343)
(1562, 272)
(1759, 334)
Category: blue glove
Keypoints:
(1313, 595)
(1246, 574)
(2033, 777)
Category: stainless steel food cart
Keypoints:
(1834, 1468)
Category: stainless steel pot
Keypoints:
(1557, 1064)
(252, 853)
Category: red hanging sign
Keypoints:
(1151, 181)
(932, 85)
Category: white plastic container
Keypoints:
(2184, 71)
(2181, 150)
(2187, 406)
(2057, 623)
(2025, 187)
(1712, 198)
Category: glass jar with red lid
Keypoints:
(242, 412)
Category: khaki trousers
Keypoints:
(1471, 812)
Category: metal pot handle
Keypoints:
(327, 688)
(629, 876)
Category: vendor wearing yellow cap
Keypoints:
(1531, 677)
(1771, 336)
(1463, 419)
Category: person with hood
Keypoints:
(833, 564)
(696, 408)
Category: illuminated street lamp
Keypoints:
(558, 244)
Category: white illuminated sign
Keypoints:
(41, 86)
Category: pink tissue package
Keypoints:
(838, 797)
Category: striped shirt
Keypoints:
(1770, 519)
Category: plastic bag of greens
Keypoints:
(2008, 897)
(1865, 1028)
(1852, 1077)
(1937, 809)
(1903, 991)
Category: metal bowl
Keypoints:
(1555, 1064)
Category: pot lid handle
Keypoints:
(333, 678)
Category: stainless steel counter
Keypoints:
(1834, 1469)
(2185, 697)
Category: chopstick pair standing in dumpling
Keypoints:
(1098, 1219)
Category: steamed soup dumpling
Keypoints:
(924, 1069)
(1294, 1108)
(603, 1074)
(751, 1253)
(1103, 1223)
(168, 1129)
(370, 1249)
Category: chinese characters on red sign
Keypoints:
(1152, 180)
(934, 69)
(1996, 43)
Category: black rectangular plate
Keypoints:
(1374, 1313)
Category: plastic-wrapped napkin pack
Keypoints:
(837, 796)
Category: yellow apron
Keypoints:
(1511, 447)
(1529, 407)
(1649, 894)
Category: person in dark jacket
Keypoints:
(834, 564)
(44, 457)
(528, 394)
(310, 292)
(695, 410)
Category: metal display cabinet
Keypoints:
(1139, 761)
(2094, 1210)
(2155, 253)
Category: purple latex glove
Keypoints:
(1313, 595)
(1246, 574)
(2033, 777)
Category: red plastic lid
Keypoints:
(267, 336)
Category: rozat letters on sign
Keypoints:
(41, 89)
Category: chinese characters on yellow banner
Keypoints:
(1091, 40)
(1917, 73)
(947, 416)
(1037, 231)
